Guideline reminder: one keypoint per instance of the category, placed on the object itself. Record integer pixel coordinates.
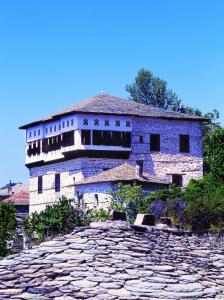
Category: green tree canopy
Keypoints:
(151, 90)
(7, 226)
(214, 152)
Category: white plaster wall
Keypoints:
(89, 191)
(49, 196)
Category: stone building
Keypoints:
(105, 139)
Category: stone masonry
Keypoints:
(110, 261)
(161, 164)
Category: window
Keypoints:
(86, 137)
(116, 138)
(30, 134)
(141, 139)
(177, 180)
(57, 183)
(55, 128)
(33, 148)
(85, 122)
(96, 122)
(38, 131)
(46, 130)
(107, 123)
(154, 142)
(96, 199)
(68, 123)
(126, 139)
(68, 139)
(72, 122)
(63, 124)
(107, 138)
(97, 137)
(111, 138)
(59, 127)
(40, 185)
(50, 128)
(34, 133)
(117, 123)
(184, 141)
(128, 123)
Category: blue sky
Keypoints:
(56, 53)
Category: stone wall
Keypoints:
(113, 262)
(168, 161)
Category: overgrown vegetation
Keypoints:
(61, 218)
(130, 199)
(7, 226)
(204, 197)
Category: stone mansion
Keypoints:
(91, 146)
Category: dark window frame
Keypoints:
(57, 182)
(40, 185)
(155, 142)
(107, 123)
(85, 122)
(128, 123)
(184, 143)
(96, 122)
(177, 180)
(117, 123)
(86, 137)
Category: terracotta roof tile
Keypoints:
(20, 196)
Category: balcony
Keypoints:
(84, 143)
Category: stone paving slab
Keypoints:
(111, 261)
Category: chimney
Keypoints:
(139, 168)
(182, 109)
(10, 188)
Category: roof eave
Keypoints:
(53, 118)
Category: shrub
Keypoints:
(168, 203)
(7, 226)
(130, 199)
(61, 218)
(205, 203)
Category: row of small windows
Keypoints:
(57, 184)
(68, 123)
(107, 122)
(63, 125)
(106, 138)
(184, 142)
(54, 128)
(35, 133)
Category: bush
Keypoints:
(130, 199)
(205, 203)
(168, 203)
(61, 218)
(7, 226)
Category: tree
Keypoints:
(7, 226)
(214, 152)
(151, 90)
(130, 199)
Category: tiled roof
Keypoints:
(106, 104)
(19, 196)
(124, 172)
